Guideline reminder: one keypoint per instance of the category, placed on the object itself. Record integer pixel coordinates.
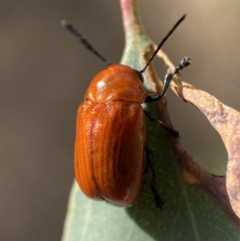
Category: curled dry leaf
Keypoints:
(226, 121)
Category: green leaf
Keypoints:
(190, 212)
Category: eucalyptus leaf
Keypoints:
(190, 212)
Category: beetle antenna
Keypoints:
(83, 40)
(163, 41)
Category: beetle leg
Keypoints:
(154, 97)
(167, 128)
(145, 169)
(150, 163)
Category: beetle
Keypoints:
(111, 160)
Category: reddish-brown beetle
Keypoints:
(110, 157)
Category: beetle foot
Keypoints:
(174, 132)
(158, 200)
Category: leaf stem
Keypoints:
(131, 21)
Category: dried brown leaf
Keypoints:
(226, 122)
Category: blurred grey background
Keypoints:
(44, 72)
